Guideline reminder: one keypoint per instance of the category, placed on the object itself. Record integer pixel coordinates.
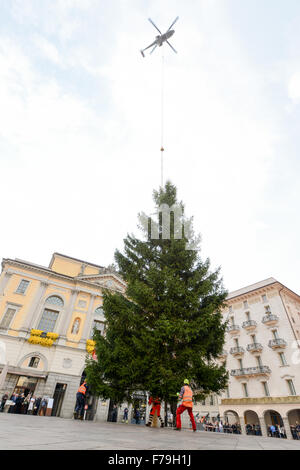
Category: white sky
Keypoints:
(80, 128)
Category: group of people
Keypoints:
(25, 404)
(275, 430)
(218, 426)
(186, 397)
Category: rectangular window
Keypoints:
(203, 402)
(34, 362)
(247, 315)
(211, 402)
(230, 308)
(275, 334)
(236, 342)
(246, 304)
(99, 325)
(258, 358)
(291, 387)
(267, 308)
(253, 338)
(48, 321)
(245, 388)
(264, 298)
(240, 363)
(227, 392)
(266, 389)
(22, 287)
(7, 318)
(282, 359)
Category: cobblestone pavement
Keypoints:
(48, 433)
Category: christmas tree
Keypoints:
(168, 325)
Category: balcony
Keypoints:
(237, 351)
(277, 343)
(233, 329)
(251, 371)
(223, 355)
(254, 347)
(270, 320)
(249, 325)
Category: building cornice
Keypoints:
(260, 401)
(52, 275)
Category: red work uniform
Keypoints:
(155, 405)
(186, 395)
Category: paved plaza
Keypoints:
(23, 432)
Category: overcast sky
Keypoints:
(80, 128)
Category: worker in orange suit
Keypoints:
(80, 401)
(155, 402)
(186, 395)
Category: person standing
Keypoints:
(136, 415)
(80, 401)
(186, 395)
(155, 402)
(125, 415)
(30, 406)
(37, 405)
(170, 418)
(3, 401)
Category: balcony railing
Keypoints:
(223, 354)
(254, 347)
(251, 371)
(233, 328)
(249, 325)
(270, 319)
(237, 350)
(277, 343)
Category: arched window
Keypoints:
(99, 311)
(55, 300)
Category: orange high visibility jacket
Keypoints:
(82, 389)
(187, 398)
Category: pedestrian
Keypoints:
(170, 418)
(30, 406)
(43, 407)
(220, 426)
(136, 415)
(36, 405)
(297, 429)
(155, 402)
(25, 404)
(3, 401)
(80, 401)
(19, 403)
(186, 395)
(125, 415)
(12, 408)
(114, 414)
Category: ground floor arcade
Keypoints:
(267, 417)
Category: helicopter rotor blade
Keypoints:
(172, 47)
(173, 23)
(154, 25)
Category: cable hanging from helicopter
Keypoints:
(159, 41)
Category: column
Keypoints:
(242, 424)
(34, 307)
(4, 282)
(286, 425)
(263, 427)
(89, 319)
(69, 312)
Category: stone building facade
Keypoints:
(262, 356)
(64, 301)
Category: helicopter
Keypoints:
(161, 38)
